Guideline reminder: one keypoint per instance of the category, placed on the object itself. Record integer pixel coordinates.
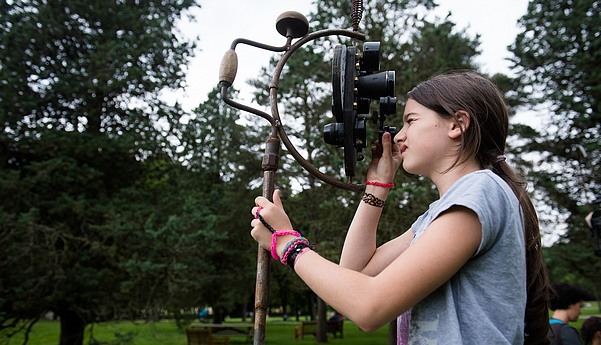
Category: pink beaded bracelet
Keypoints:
(379, 184)
(274, 241)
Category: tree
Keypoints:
(226, 153)
(98, 225)
(556, 55)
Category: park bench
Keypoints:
(305, 328)
(199, 336)
(310, 327)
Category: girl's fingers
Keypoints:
(277, 200)
(262, 236)
(386, 145)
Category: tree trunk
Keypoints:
(72, 328)
(284, 297)
(322, 321)
(244, 309)
(219, 315)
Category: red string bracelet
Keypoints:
(274, 241)
(379, 184)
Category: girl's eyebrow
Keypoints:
(405, 116)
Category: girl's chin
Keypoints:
(410, 169)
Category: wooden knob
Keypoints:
(229, 67)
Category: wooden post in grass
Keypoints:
(269, 165)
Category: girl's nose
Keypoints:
(400, 136)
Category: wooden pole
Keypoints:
(269, 164)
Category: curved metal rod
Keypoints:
(224, 86)
(247, 108)
(273, 100)
(261, 45)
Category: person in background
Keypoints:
(591, 331)
(565, 303)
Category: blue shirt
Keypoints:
(485, 302)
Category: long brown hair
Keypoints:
(485, 139)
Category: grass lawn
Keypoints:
(166, 333)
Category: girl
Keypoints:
(470, 269)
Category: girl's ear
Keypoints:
(460, 125)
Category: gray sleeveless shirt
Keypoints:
(484, 303)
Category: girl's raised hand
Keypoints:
(386, 159)
(273, 214)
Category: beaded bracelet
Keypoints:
(372, 200)
(274, 241)
(290, 247)
(379, 184)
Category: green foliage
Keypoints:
(102, 220)
(98, 67)
(556, 55)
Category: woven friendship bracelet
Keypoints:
(379, 184)
(274, 241)
(265, 224)
(291, 246)
(371, 199)
(259, 208)
(272, 230)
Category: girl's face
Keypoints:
(429, 143)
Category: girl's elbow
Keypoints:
(369, 320)
(368, 325)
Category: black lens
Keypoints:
(333, 134)
(376, 85)
(387, 105)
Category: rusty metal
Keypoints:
(270, 159)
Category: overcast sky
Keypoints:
(220, 22)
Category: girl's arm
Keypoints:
(432, 260)
(387, 253)
(360, 242)
(359, 252)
